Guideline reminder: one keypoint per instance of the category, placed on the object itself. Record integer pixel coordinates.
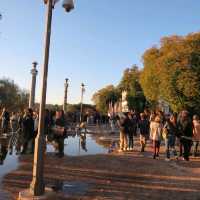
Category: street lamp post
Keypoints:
(81, 110)
(37, 186)
(65, 95)
(34, 73)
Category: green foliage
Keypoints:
(71, 108)
(172, 72)
(103, 97)
(130, 83)
(11, 96)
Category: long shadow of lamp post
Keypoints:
(37, 187)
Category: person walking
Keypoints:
(143, 126)
(60, 132)
(196, 134)
(5, 121)
(19, 141)
(186, 130)
(132, 129)
(170, 131)
(14, 127)
(122, 120)
(28, 130)
(155, 135)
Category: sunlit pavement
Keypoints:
(126, 175)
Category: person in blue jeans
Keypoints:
(170, 131)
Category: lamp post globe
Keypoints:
(68, 5)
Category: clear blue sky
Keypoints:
(93, 44)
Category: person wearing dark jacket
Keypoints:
(143, 126)
(122, 122)
(28, 130)
(132, 129)
(171, 132)
(60, 124)
(186, 130)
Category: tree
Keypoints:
(172, 72)
(11, 96)
(130, 83)
(103, 97)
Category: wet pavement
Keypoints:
(80, 145)
(8, 163)
(76, 145)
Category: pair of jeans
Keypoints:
(170, 145)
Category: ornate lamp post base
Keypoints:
(27, 195)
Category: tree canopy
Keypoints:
(172, 72)
(104, 96)
(130, 83)
(11, 96)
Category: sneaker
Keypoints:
(167, 159)
(128, 149)
(120, 150)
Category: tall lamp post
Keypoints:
(37, 187)
(34, 73)
(82, 93)
(65, 95)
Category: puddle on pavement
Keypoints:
(74, 146)
(81, 145)
(70, 188)
(77, 145)
(8, 162)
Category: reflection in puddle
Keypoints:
(7, 162)
(77, 145)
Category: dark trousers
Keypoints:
(60, 141)
(187, 144)
(156, 147)
(130, 141)
(25, 145)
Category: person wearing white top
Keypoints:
(155, 135)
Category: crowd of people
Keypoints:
(22, 129)
(178, 131)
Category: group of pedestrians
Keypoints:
(22, 128)
(179, 132)
(19, 127)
